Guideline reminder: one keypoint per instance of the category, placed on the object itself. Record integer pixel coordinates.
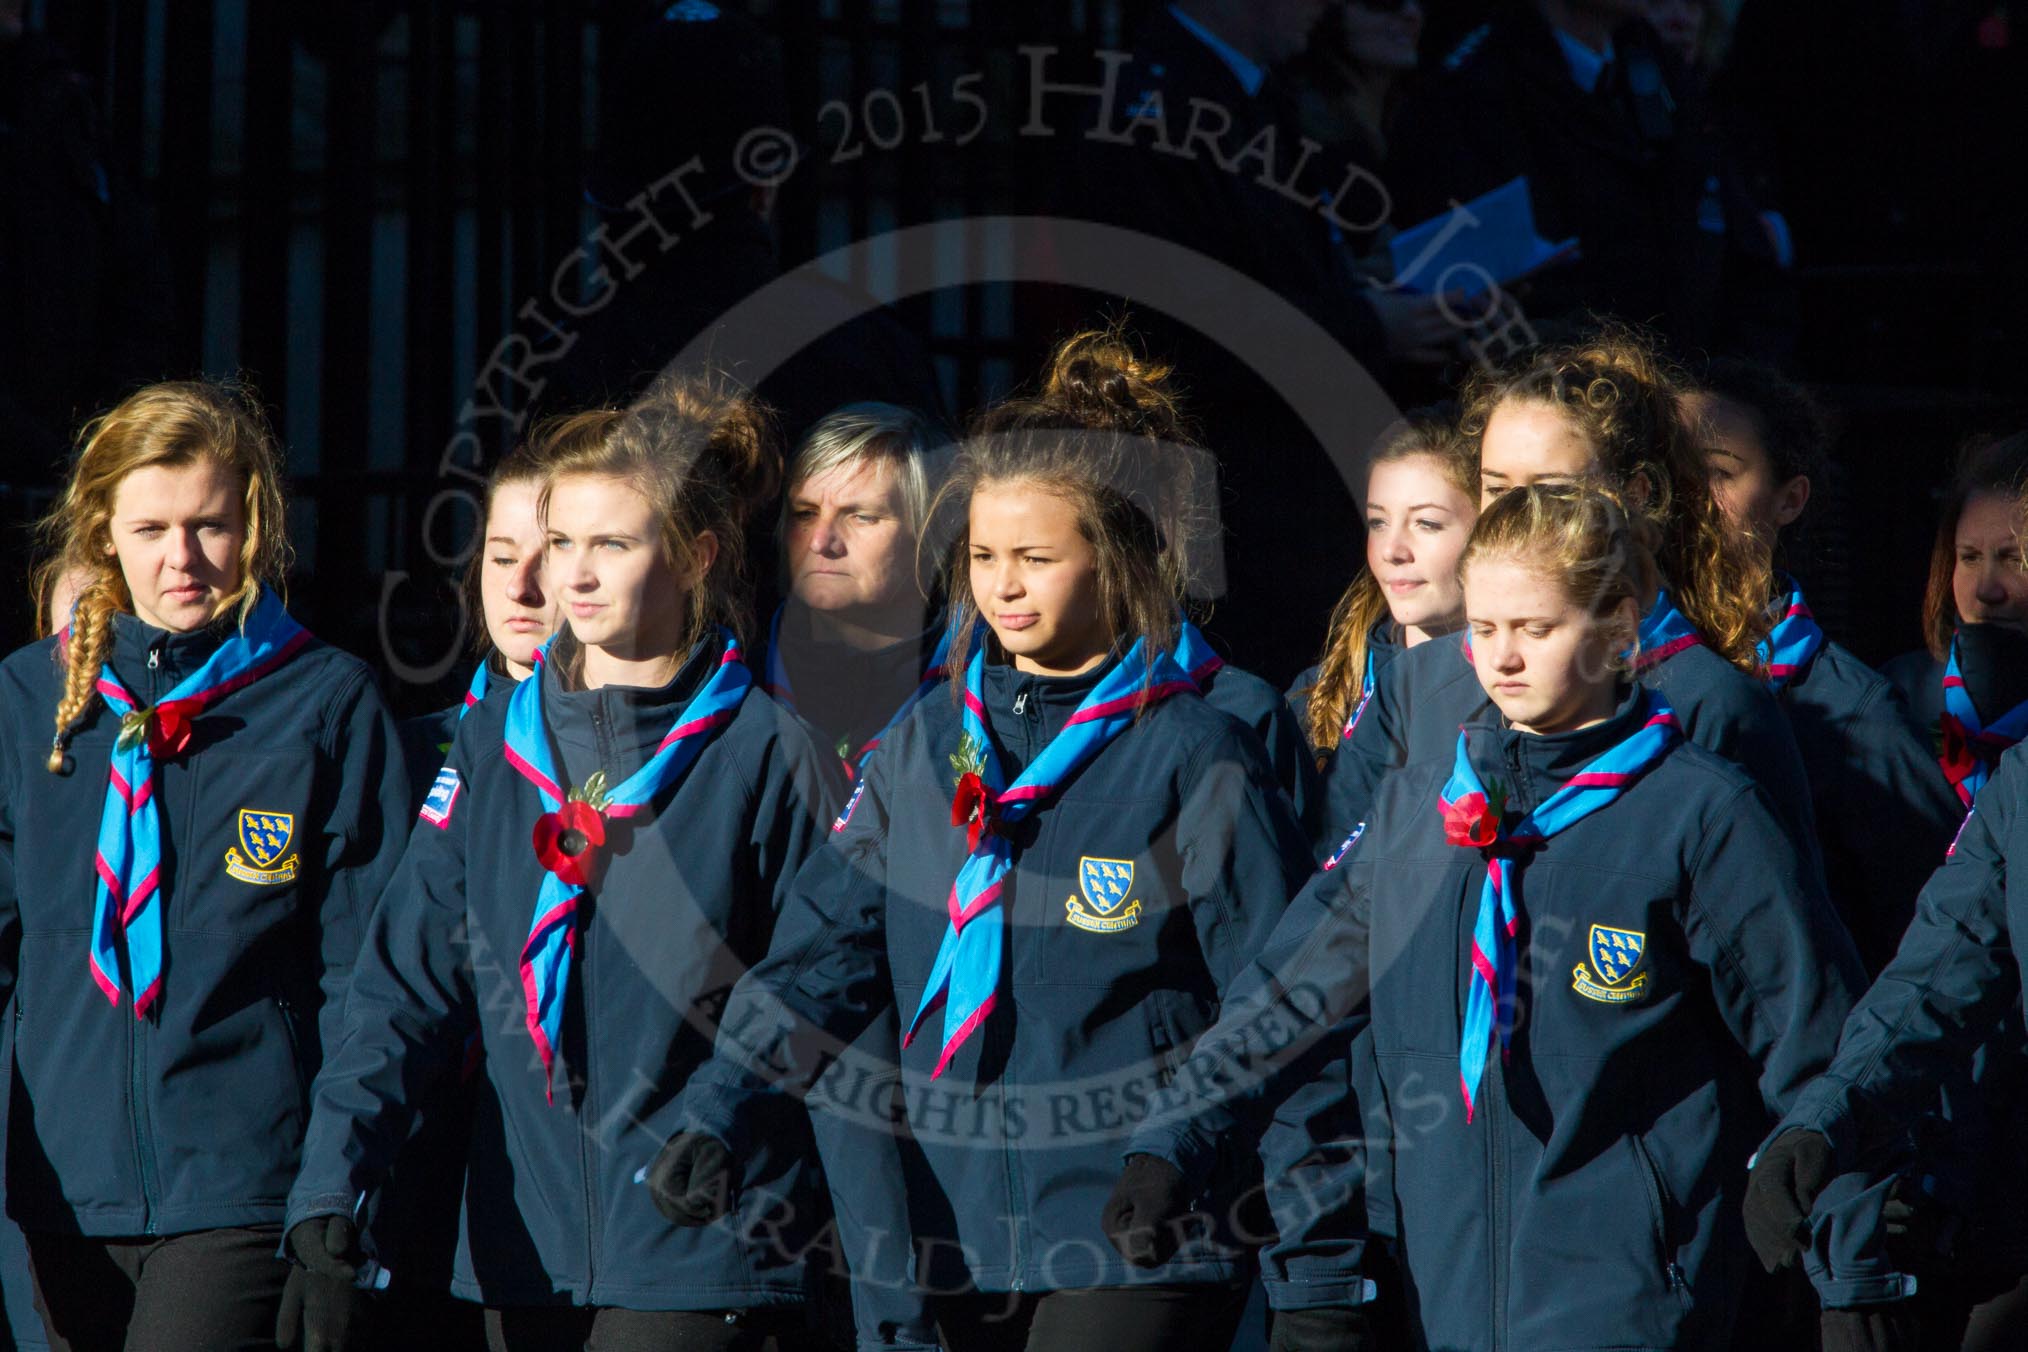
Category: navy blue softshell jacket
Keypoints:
(687, 898)
(1884, 811)
(1260, 706)
(191, 1118)
(1014, 1148)
(1593, 1200)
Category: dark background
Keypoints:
(353, 199)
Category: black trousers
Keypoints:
(1104, 1319)
(208, 1291)
(576, 1328)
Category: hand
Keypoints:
(1870, 1328)
(320, 1304)
(1919, 1227)
(690, 1179)
(1140, 1217)
(1780, 1192)
(1338, 1329)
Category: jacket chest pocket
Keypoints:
(1095, 899)
(1420, 955)
(1603, 960)
(249, 838)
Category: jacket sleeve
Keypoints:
(1243, 853)
(410, 1005)
(1943, 994)
(1378, 746)
(1784, 975)
(825, 976)
(1306, 984)
(1893, 814)
(10, 905)
(861, 1157)
(1753, 733)
(367, 816)
(1783, 970)
(798, 800)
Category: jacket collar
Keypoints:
(1535, 766)
(138, 646)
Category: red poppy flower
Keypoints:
(1954, 750)
(169, 730)
(972, 808)
(567, 841)
(1471, 822)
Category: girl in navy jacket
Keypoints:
(1605, 408)
(1050, 873)
(417, 1223)
(188, 868)
(1968, 686)
(1422, 495)
(1884, 812)
(1594, 962)
(607, 844)
(504, 585)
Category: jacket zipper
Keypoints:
(1027, 707)
(1658, 1204)
(588, 1109)
(302, 1068)
(137, 1086)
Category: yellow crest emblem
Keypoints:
(1108, 904)
(1610, 978)
(262, 854)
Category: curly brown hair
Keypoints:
(1621, 396)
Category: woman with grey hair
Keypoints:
(858, 639)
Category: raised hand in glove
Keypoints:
(322, 1309)
(1140, 1218)
(691, 1179)
(1780, 1192)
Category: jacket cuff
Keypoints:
(1334, 1293)
(1183, 1144)
(1847, 1260)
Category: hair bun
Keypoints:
(1098, 381)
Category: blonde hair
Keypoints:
(1342, 669)
(704, 456)
(1581, 537)
(168, 425)
(873, 433)
(1620, 395)
(1107, 435)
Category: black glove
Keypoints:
(320, 1305)
(1780, 1192)
(1140, 1217)
(1871, 1328)
(1340, 1329)
(690, 1179)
